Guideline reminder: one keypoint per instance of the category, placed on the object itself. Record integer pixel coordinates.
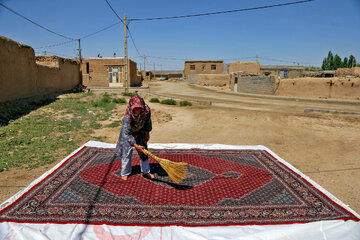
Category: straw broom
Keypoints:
(175, 170)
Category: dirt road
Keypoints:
(324, 147)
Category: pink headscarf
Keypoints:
(137, 102)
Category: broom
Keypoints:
(175, 170)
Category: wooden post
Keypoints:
(125, 57)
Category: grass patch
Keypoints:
(185, 103)
(129, 94)
(154, 100)
(52, 131)
(119, 100)
(169, 102)
(114, 124)
(104, 103)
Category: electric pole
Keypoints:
(79, 51)
(125, 57)
(154, 71)
(144, 63)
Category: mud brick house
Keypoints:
(247, 67)
(108, 72)
(203, 67)
(282, 71)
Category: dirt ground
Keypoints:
(324, 147)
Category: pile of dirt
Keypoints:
(160, 116)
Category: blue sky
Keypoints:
(296, 34)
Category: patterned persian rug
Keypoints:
(222, 187)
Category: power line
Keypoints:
(220, 12)
(85, 36)
(35, 23)
(91, 34)
(285, 61)
(132, 39)
(58, 54)
(115, 12)
(56, 44)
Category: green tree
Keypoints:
(330, 61)
(324, 64)
(337, 62)
(345, 62)
(352, 61)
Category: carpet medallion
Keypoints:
(222, 187)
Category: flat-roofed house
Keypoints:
(282, 71)
(203, 67)
(108, 72)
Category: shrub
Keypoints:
(169, 102)
(106, 94)
(104, 103)
(130, 94)
(119, 100)
(185, 103)
(154, 100)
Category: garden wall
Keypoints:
(23, 75)
(339, 88)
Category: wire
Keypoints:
(58, 54)
(132, 39)
(91, 34)
(115, 12)
(221, 12)
(56, 44)
(169, 58)
(286, 61)
(35, 23)
(85, 36)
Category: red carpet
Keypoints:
(222, 187)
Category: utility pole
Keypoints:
(79, 51)
(125, 57)
(154, 71)
(144, 64)
(81, 77)
(257, 58)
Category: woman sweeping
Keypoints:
(135, 133)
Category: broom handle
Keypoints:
(151, 155)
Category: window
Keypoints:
(284, 74)
(87, 68)
(114, 74)
(192, 67)
(203, 67)
(213, 67)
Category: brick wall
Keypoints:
(253, 84)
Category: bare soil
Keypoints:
(324, 147)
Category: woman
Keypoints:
(135, 129)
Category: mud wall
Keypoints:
(24, 75)
(344, 72)
(18, 72)
(338, 88)
(216, 80)
(248, 67)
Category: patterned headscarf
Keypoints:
(137, 102)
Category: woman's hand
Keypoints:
(147, 137)
(139, 148)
